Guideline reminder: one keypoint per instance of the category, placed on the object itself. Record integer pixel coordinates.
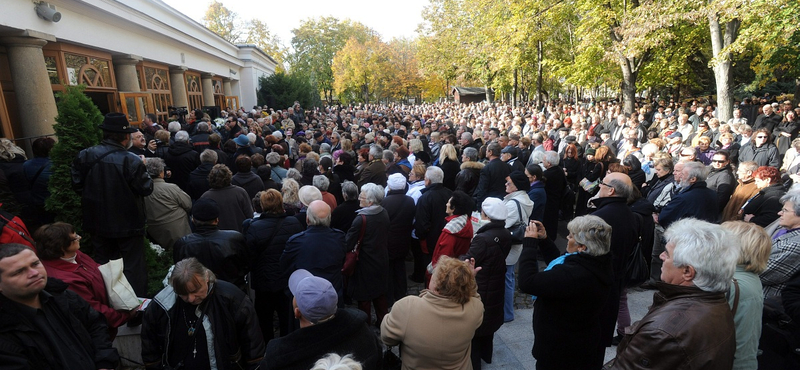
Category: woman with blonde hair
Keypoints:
(448, 162)
(291, 199)
(447, 313)
(746, 296)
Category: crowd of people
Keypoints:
(290, 231)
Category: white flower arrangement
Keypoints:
(157, 248)
(219, 122)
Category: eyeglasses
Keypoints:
(761, 137)
(719, 160)
(76, 238)
(604, 184)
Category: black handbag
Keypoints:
(518, 229)
(636, 269)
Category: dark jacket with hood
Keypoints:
(198, 181)
(181, 159)
(467, 179)
(723, 182)
(248, 181)
(570, 300)
(345, 333)
(24, 346)
(490, 247)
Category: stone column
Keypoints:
(208, 88)
(31, 83)
(180, 98)
(125, 72)
(226, 86)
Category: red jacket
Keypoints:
(85, 280)
(454, 240)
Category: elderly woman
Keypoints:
(342, 217)
(322, 183)
(746, 296)
(571, 296)
(703, 151)
(489, 248)
(435, 329)
(234, 204)
(307, 194)
(455, 238)
(369, 282)
(167, 207)
(760, 149)
(784, 259)
(58, 246)
(266, 237)
(467, 179)
(762, 208)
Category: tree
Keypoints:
(223, 22)
(77, 127)
(282, 90)
(258, 34)
(359, 70)
(316, 42)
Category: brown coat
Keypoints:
(742, 193)
(686, 328)
(420, 325)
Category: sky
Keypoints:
(389, 18)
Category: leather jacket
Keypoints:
(686, 328)
(223, 251)
(113, 183)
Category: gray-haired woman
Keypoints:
(369, 282)
(571, 295)
(167, 208)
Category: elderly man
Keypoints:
(554, 187)
(42, 324)
(199, 322)
(304, 250)
(689, 325)
(768, 119)
(113, 183)
(181, 159)
(745, 189)
(431, 211)
(612, 206)
(694, 200)
(323, 329)
(375, 171)
(493, 175)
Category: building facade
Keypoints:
(134, 56)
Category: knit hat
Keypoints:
(520, 180)
(396, 182)
(590, 151)
(494, 209)
(205, 209)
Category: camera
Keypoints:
(178, 111)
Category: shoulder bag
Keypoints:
(518, 229)
(351, 258)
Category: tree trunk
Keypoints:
(514, 89)
(539, 71)
(628, 85)
(796, 91)
(722, 63)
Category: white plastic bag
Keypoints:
(120, 293)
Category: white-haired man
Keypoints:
(689, 325)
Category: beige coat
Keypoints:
(167, 210)
(433, 332)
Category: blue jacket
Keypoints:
(320, 250)
(696, 201)
(539, 198)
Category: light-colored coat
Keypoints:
(167, 210)
(433, 332)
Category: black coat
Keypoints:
(265, 242)
(765, 155)
(345, 333)
(23, 345)
(570, 299)
(401, 210)
(181, 159)
(305, 251)
(765, 205)
(370, 280)
(198, 181)
(450, 169)
(492, 182)
(554, 186)
(112, 190)
(431, 211)
(490, 247)
(723, 182)
(223, 251)
(248, 181)
(343, 215)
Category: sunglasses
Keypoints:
(719, 160)
(761, 137)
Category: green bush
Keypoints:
(77, 127)
(281, 90)
(158, 264)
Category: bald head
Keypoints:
(319, 213)
(618, 185)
